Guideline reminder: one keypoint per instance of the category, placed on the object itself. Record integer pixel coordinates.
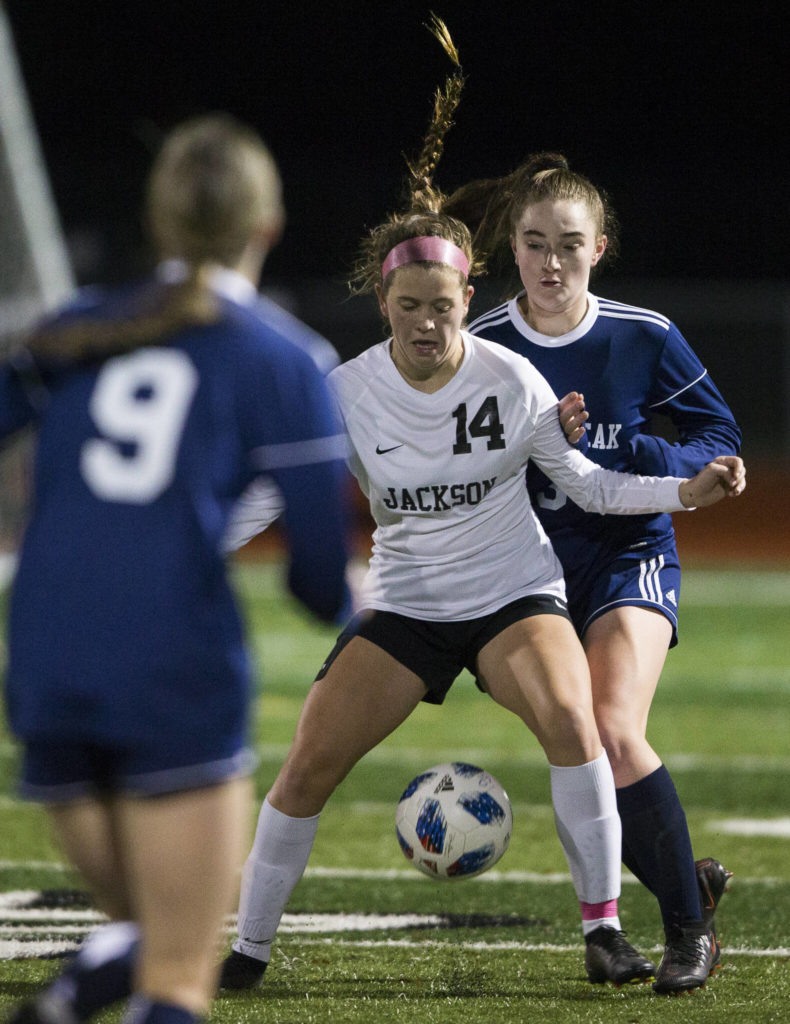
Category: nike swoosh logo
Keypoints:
(383, 451)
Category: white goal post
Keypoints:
(35, 272)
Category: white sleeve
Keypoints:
(592, 487)
(257, 508)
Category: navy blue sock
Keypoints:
(657, 847)
(141, 1011)
(630, 860)
(104, 985)
(99, 975)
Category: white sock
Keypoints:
(593, 923)
(107, 942)
(585, 812)
(275, 864)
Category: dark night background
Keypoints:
(678, 110)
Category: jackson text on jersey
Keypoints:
(436, 497)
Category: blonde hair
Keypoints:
(213, 186)
(424, 214)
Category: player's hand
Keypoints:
(573, 416)
(725, 477)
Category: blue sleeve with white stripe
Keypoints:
(304, 456)
(683, 391)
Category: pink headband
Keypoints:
(426, 248)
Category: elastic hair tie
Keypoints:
(425, 248)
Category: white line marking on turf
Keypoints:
(721, 589)
(412, 875)
(527, 947)
(66, 928)
(704, 587)
(778, 827)
(37, 865)
(680, 761)
(14, 950)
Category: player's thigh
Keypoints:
(365, 694)
(536, 668)
(626, 649)
(87, 831)
(183, 852)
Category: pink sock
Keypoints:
(599, 915)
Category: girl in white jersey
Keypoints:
(441, 426)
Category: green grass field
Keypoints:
(505, 947)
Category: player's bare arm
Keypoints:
(724, 477)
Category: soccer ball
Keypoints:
(454, 821)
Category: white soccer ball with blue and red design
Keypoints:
(454, 821)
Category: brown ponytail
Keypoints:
(424, 214)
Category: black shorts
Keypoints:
(437, 652)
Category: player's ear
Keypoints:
(600, 248)
(382, 301)
(270, 233)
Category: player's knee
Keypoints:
(569, 734)
(621, 741)
(307, 782)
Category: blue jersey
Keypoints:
(629, 363)
(122, 621)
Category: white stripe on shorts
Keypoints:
(649, 582)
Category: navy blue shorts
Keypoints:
(647, 576)
(437, 652)
(59, 771)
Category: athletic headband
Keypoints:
(426, 248)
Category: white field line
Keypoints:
(11, 949)
(36, 865)
(678, 762)
(406, 875)
(393, 875)
(775, 827)
(705, 587)
(274, 753)
(675, 762)
(720, 589)
(779, 951)
(65, 929)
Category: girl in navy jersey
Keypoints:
(128, 681)
(441, 426)
(617, 366)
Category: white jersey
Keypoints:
(456, 536)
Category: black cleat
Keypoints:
(25, 1014)
(42, 1010)
(241, 971)
(687, 963)
(609, 957)
(712, 878)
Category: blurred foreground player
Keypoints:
(128, 680)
